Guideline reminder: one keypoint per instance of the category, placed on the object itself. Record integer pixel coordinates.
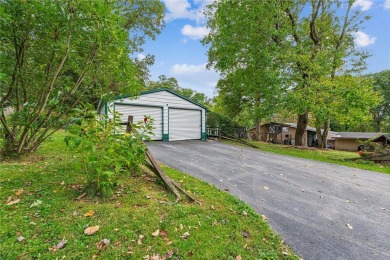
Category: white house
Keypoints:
(175, 117)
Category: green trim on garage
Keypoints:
(141, 105)
(159, 90)
(165, 137)
(204, 136)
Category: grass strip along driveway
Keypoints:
(41, 216)
(322, 210)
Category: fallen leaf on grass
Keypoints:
(19, 192)
(185, 235)
(163, 233)
(181, 226)
(20, 238)
(153, 257)
(169, 254)
(63, 183)
(90, 213)
(349, 226)
(102, 244)
(238, 257)
(60, 245)
(13, 202)
(264, 217)
(156, 233)
(169, 243)
(36, 203)
(91, 230)
(9, 199)
(140, 237)
(245, 234)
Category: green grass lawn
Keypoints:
(330, 156)
(49, 182)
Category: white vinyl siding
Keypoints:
(184, 124)
(165, 101)
(139, 113)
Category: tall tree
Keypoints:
(242, 46)
(56, 54)
(270, 50)
(381, 113)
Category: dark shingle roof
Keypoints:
(356, 135)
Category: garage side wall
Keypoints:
(346, 144)
(165, 100)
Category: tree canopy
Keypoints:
(55, 55)
(294, 55)
(381, 113)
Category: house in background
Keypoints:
(383, 138)
(283, 133)
(350, 141)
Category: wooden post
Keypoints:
(128, 125)
(219, 134)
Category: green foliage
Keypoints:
(56, 182)
(104, 149)
(381, 113)
(241, 47)
(289, 55)
(56, 54)
(217, 120)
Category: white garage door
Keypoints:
(139, 113)
(184, 124)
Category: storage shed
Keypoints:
(350, 141)
(175, 117)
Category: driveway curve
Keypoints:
(322, 210)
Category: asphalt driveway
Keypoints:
(323, 211)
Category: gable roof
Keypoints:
(385, 137)
(356, 135)
(101, 104)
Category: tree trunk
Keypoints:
(303, 120)
(322, 135)
(258, 124)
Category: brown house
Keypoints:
(283, 133)
(350, 141)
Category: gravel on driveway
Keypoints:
(322, 210)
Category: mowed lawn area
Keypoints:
(323, 155)
(41, 206)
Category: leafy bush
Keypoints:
(105, 150)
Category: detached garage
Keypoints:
(175, 117)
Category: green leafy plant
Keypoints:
(105, 149)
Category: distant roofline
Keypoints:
(357, 135)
